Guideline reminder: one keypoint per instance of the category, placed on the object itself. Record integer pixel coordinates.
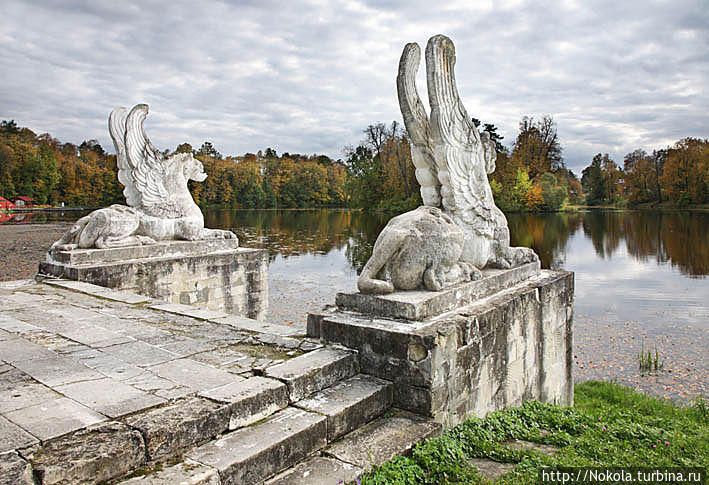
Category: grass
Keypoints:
(610, 425)
(648, 363)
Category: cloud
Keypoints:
(308, 76)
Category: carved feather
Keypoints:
(417, 125)
(147, 162)
(117, 128)
(457, 144)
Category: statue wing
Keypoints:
(141, 167)
(457, 143)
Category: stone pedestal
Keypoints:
(213, 274)
(475, 348)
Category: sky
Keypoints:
(309, 76)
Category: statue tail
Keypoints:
(70, 239)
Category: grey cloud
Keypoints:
(308, 76)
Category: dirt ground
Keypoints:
(23, 246)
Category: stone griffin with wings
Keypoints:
(452, 160)
(160, 206)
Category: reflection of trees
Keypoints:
(548, 234)
(678, 237)
(605, 229)
(686, 240)
(285, 232)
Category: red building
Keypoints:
(22, 201)
(5, 204)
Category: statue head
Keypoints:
(192, 169)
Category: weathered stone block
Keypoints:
(250, 400)
(187, 473)
(318, 470)
(212, 274)
(499, 351)
(315, 371)
(252, 454)
(14, 470)
(421, 304)
(383, 439)
(181, 425)
(350, 403)
(92, 455)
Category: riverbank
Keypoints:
(23, 246)
(609, 426)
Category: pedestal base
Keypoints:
(211, 274)
(511, 346)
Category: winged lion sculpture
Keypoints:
(160, 206)
(452, 160)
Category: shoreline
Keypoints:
(601, 348)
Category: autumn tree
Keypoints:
(537, 146)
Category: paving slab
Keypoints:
(350, 403)
(315, 371)
(13, 437)
(189, 311)
(89, 456)
(14, 470)
(18, 350)
(108, 365)
(318, 470)
(159, 386)
(18, 390)
(14, 326)
(93, 335)
(250, 400)
(184, 424)
(187, 473)
(54, 418)
(259, 326)
(110, 397)
(189, 346)
(490, 469)
(195, 375)
(140, 353)
(252, 454)
(383, 439)
(58, 370)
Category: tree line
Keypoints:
(52, 172)
(678, 174)
(377, 174)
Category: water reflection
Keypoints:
(678, 238)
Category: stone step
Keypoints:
(359, 451)
(252, 454)
(350, 404)
(383, 439)
(315, 371)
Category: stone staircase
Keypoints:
(100, 386)
(305, 418)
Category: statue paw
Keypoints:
(523, 256)
(145, 240)
(374, 287)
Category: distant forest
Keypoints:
(376, 174)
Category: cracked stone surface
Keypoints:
(93, 383)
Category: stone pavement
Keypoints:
(71, 359)
(98, 385)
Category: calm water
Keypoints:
(641, 279)
(629, 265)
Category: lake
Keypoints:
(641, 280)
